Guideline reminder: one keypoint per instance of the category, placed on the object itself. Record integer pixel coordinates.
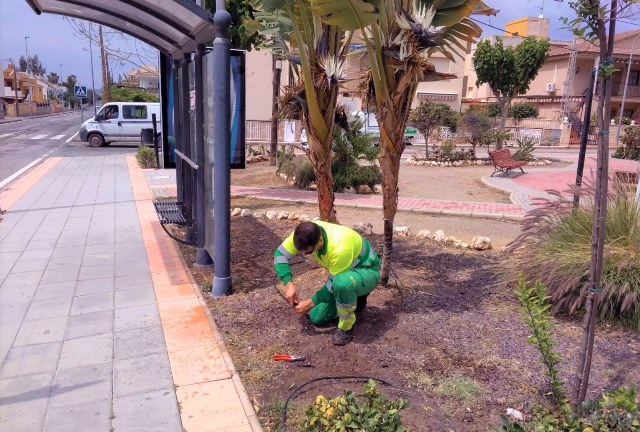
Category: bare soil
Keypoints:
(456, 184)
(442, 319)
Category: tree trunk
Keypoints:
(504, 113)
(106, 96)
(426, 145)
(277, 73)
(324, 178)
(599, 214)
(391, 148)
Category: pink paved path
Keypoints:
(559, 180)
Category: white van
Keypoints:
(119, 121)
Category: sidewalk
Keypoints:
(17, 119)
(102, 327)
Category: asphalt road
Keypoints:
(24, 141)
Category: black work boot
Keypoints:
(341, 337)
(362, 303)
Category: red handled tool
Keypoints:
(287, 357)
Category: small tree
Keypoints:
(53, 78)
(475, 127)
(430, 115)
(523, 110)
(508, 70)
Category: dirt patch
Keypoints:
(451, 342)
(258, 174)
(463, 228)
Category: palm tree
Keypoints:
(53, 78)
(316, 52)
(399, 36)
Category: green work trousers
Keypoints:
(347, 287)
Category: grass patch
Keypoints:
(418, 379)
(459, 387)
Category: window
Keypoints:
(134, 112)
(109, 112)
(634, 77)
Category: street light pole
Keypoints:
(26, 45)
(624, 93)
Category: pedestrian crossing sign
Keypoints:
(80, 91)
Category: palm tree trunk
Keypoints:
(390, 142)
(277, 72)
(324, 178)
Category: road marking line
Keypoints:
(18, 173)
(57, 137)
(38, 137)
(6, 135)
(76, 134)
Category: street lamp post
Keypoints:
(26, 45)
(624, 93)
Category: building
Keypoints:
(548, 88)
(146, 78)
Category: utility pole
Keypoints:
(15, 88)
(61, 80)
(93, 83)
(26, 45)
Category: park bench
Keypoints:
(504, 162)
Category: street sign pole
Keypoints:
(80, 92)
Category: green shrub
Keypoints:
(617, 410)
(447, 146)
(304, 175)
(146, 157)
(523, 110)
(493, 110)
(354, 175)
(120, 94)
(370, 411)
(535, 314)
(630, 148)
(555, 248)
(526, 146)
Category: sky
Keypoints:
(53, 40)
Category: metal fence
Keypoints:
(258, 130)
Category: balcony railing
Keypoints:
(633, 91)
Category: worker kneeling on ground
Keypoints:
(354, 271)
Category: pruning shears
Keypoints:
(288, 357)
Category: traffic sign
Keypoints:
(80, 91)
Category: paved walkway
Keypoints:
(102, 327)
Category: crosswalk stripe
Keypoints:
(6, 135)
(57, 137)
(38, 137)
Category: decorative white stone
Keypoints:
(283, 215)
(363, 228)
(293, 217)
(259, 214)
(236, 211)
(464, 245)
(481, 243)
(424, 234)
(450, 239)
(304, 218)
(439, 236)
(515, 414)
(377, 189)
(350, 190)
(364, 189)
(271, 215)
(246, 213)
(402, 231)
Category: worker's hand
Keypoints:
(304, 307)
(291, 294)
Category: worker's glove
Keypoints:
(291, 294)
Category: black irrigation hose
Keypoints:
(298, 391)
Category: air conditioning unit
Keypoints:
(551, 87)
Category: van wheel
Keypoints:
(95, 140)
